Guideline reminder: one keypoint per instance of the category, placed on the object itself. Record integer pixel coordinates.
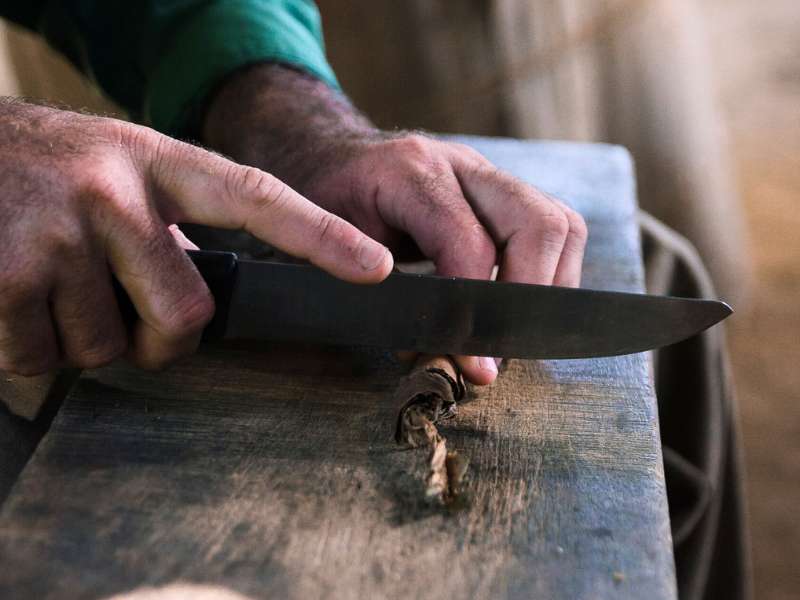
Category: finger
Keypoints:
(181, 239)
(447, 231)
(568, 272)
(28, 343)
(543, 240)
(197, 186)
(533, 251)
(532, 227)
(442, 224)
(170, 296)
(154, 350)
(88, 320)
(478, 370)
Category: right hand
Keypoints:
(84, 197)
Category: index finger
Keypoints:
(197, 186)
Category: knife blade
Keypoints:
(437, 315)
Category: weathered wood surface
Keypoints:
(272, 471)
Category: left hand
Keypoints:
(461, 211)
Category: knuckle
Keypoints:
(549, 220)
(67, 240)
(472, 156)
(552, 225)
(161, 156)
(190, 314)
(254, 185)
(156, 159)
(115, 131)
(415, 144)
(103, 195)
(547, 228)
(418, 151)
(478, 240)
(331, 229)
(490, 172)
(99, 182)
(477, 246)
(577, 225)
(138, 139)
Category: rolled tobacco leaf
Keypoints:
(427, 395)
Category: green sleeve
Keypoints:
(160, 58)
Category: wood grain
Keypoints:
(273, 471)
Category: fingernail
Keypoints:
(487, 364)
(371, 255)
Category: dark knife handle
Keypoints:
(218, 269)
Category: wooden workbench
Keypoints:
(272, 470)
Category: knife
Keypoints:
(438, 315)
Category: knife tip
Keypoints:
(725, 308)
(720, 311)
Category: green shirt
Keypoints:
(160, 58)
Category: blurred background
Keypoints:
(756, 52)
(705, 93)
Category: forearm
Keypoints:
(287, 123)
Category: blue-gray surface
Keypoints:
(272, 471)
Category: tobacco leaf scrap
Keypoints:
(426, 396)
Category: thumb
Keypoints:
(197, 186)
(183, 241)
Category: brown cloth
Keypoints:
(699, 434)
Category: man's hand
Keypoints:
(459, 210)
(82, 198)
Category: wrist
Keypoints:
(289, 124)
